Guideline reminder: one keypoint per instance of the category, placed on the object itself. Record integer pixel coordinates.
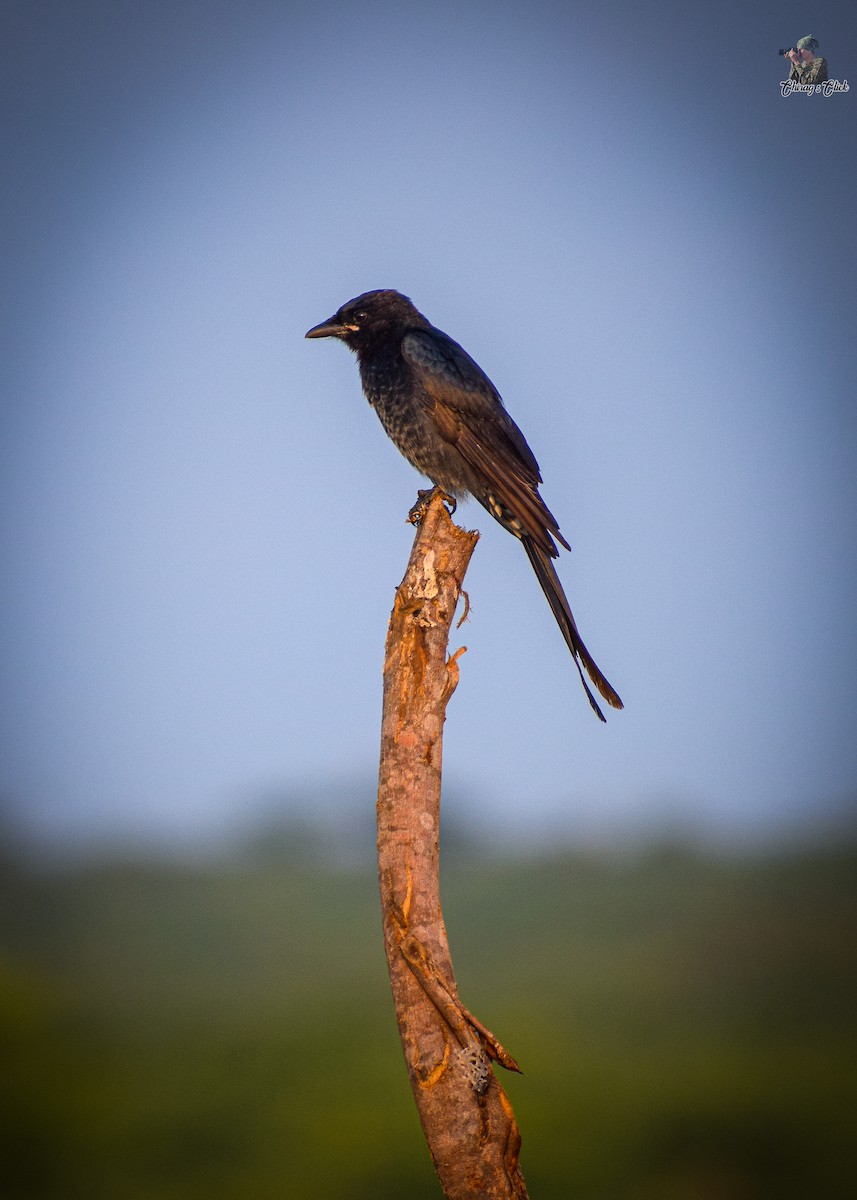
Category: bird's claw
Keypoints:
(424, 499)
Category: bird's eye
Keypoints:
(361, 316)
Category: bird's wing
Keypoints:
(469, 414)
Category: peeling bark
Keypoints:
(466, 1117)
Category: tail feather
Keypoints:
(556, 597)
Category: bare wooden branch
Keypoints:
(466, 1117)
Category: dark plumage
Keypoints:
(447, 418)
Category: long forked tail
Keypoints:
(552, 588)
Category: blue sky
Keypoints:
(648, 249)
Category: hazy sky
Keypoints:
(647, 247)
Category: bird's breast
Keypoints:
(389, 389)
(406, 414)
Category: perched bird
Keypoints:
(447, 418)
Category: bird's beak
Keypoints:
(330, 328)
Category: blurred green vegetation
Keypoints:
(685, 1022)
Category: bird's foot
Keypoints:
(424, 499)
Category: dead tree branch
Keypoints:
(466, 1117)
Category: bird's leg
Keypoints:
(424, 499)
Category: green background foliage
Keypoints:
(684, 1021)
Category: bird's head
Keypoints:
(369, 319)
